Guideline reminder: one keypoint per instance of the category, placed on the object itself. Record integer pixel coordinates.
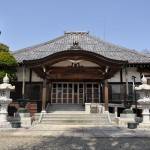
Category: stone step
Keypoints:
(66, 112)
(79, 122)
(82, 119)
(75, 115)
(75, 118)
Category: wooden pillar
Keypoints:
(85, 93)
(30, 76)
(50, 92)
(44, 96)
(23, 81)
(101, 93)
(106, 95)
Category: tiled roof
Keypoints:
(86, 42)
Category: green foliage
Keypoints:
(11, 74)
(7, 60)
(8, 63)
(4, 48)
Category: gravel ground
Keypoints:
(50, 137)
(8, 142)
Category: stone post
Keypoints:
(87, 108)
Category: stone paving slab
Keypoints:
(53, 133)
(79, 130)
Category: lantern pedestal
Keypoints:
(144, 101)
(5, 100)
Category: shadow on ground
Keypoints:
(74, 139)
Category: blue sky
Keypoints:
(25, 23)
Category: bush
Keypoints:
(7, 60)
(8, 63)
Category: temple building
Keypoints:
(76, 68)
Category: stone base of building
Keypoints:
(124, 121)
(22, 115)
(127, 115)
(5, 125)
(25, 121)
(126, 118)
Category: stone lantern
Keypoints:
(144, 100)
(5, 99)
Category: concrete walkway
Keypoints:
(70, 137)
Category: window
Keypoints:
(93, 92)
(114, 92)
(117, 92)
(33, 91)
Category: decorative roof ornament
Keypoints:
(75, 63)
(75, 46)
(75, 43)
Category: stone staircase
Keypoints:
(75, 119)
(73, 115)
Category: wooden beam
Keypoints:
(75, 73)
(75, 55)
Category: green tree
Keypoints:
(8, 63)
(4, 48)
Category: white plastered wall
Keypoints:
(132, 71)
(115, 78)
(19, 74)
(35, 78)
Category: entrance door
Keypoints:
(67, 93)
(93, 92)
